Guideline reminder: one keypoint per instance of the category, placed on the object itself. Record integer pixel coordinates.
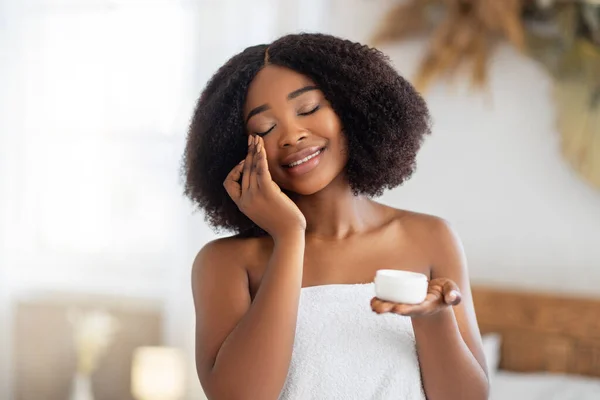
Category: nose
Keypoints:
(292, 134)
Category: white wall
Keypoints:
(493, 168)
(7, 181)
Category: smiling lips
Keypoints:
(303, 161)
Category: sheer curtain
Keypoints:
(96, 99)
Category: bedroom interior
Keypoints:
(94, 283)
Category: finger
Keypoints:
(380, 306)
(436, 286)
(407, 309)
(425, 307)
(435, 295)
(415, 309)
(433, 298)
(262, 166)
(232, 181)
(253, 174)
(247, 165)
(375, 303)
(451, 293)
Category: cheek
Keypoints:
(272, 166)
(329, 125)
(271, 156)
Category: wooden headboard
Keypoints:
(542, 332)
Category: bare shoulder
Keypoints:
(227, 258)
(435, 236)
(221, 250)
(421, 224)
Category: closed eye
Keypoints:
(314, 110)
(265, 132)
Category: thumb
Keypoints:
(451, 293)
(232, 182)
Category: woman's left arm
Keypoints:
(449, 342)
(448, 338)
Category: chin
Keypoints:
(307, 187)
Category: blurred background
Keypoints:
(97, 241)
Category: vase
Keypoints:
(81, 387)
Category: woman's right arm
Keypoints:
(244, 347)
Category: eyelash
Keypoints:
(314, 110)
(304, 114)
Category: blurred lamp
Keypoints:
(158, 373)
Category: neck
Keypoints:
(335, 212)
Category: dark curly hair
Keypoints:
(383, 117)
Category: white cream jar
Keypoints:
(400, 286)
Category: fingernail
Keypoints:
(255, 139)
(258, 147)
(453, 295)
(249, 140)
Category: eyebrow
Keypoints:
(299, 92)
(290, 96)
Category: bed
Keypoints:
(540, 346)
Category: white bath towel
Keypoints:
(343, 350)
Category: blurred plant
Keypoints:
(565, 38)
(93, 332)
(461, 31)
(563, 35)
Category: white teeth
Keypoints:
(305, 159)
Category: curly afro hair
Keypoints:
(383, 117)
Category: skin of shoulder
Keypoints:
(229, 255)
(236, 255)
(434, 235)
(231, 258)
(226, 250)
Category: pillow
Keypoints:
(491, 350)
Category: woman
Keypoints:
(288, 145)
